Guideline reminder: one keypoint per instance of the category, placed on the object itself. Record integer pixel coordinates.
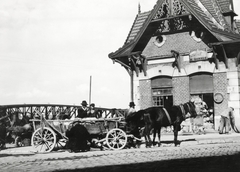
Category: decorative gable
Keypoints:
(170, 8)
(198, 18)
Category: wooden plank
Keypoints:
(215, 59)
(238, 59)
(225, 56)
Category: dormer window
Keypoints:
(160, 40)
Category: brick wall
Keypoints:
(220, 86)
(180, 90)
(145, 94)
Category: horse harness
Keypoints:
(182, 110)
(168, 116)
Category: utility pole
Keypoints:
(90, 90)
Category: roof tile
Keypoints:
(137, 25)
(225, 5)
(238, 25)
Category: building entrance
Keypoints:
(201, 89)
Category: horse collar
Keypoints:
(168, 116)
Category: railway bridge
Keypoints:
(33, 110)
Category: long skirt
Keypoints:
(224, 124)
(198, 121)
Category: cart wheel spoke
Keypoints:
(61, 143)
(48, 145)
(41, 148)
(38, 134)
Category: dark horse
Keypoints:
(157, 117)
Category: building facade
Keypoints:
(181, 51)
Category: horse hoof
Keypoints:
(148, 146)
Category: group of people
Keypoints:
(86, 112)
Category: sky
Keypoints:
(50, 48)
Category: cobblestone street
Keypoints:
(207, 157)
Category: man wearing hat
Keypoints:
(82, 111)
(131, 108)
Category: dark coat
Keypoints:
(78, 138)
(82, 113)
(3, 134)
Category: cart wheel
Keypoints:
(116, 139)
(43, 139)
(61, 144)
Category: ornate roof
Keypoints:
(238, 25)
(207, 12)
(226, 6)
(137, 25)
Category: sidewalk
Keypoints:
(211, 137)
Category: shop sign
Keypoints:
(198, 55)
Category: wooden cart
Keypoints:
(50, 134)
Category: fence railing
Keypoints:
(32, 110)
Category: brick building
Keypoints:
(183, 50)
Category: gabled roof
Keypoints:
(137, 25)
(216, 24)
(207, 13)
(213, 9)
(226, 6)
(238, 25)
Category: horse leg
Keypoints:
(146, 140)
(176, 128)
(154, 136)
(149, 140)
(147, 137)
(159, 137)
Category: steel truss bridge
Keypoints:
(55, 109)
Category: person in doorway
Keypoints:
(226, 116)
(82, 111)
(201, 110)
(131, 108)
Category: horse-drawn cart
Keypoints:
(106, 132)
